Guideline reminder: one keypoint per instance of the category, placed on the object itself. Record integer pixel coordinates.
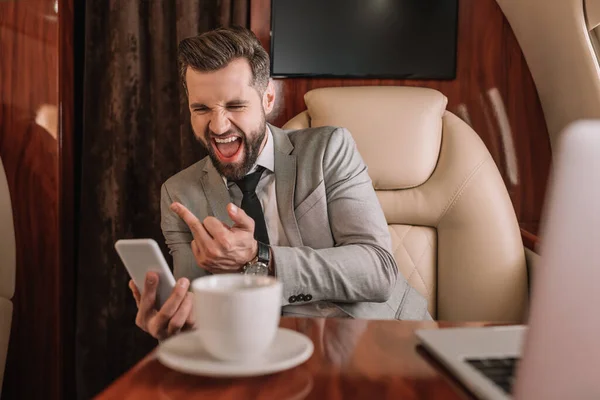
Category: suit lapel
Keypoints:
(285, 182)
(216, 192)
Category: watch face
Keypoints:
(257, 268)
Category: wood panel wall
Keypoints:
(29, 113)
(493, 91)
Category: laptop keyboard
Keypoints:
(501, 371)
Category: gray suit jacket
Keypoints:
(340, 244)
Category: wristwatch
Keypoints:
(259, 265)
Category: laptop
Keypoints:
(557, 354)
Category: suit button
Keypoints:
(292, 299)
(300, 297)
(308, 297)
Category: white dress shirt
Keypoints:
(265, 191)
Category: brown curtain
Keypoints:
(136, 135)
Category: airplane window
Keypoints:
(592, 14)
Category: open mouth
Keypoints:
(228, 148)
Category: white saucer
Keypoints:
(185, 353)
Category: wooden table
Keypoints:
(353, 359)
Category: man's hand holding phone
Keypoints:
(175, 315)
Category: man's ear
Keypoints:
(268, 99)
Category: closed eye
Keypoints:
(199, 108)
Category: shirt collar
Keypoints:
(266, 158)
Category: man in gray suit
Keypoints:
(298, 205)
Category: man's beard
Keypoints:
(234, 172)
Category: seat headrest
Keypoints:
(398, 130)
(8, 257)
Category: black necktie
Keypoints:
(251, 204)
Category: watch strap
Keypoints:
(264, 253)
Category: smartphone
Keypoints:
(141, 256)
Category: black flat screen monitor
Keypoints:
(402, 39)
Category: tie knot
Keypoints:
(249, 182)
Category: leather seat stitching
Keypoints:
(461, 189)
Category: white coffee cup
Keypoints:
(237, 315)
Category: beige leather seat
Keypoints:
(454, 230)
(7, 269)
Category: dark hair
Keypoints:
(215, 49)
